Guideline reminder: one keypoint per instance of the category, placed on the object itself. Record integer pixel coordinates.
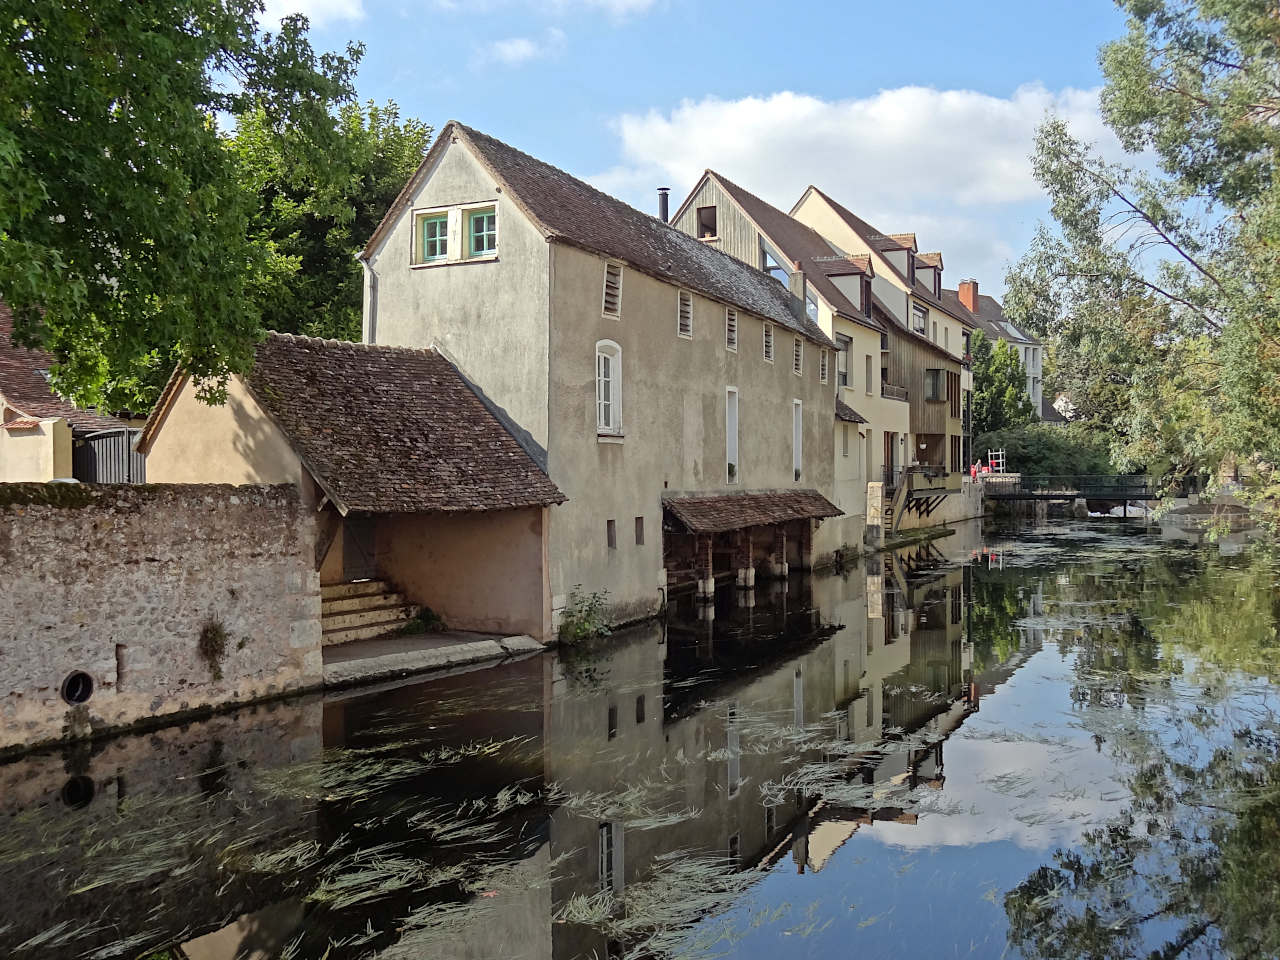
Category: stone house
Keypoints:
(904, 381)
(425, 492)
(654, 370)
(44, 437)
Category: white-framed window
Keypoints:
(823, 360)
(482, 231)
(611, 305)
(608, 388)
(731, 329)
(843, 344)
(684, 314)
(731, 435)
(768, 342)
(797, 356)
(797, 436)
(869, 373)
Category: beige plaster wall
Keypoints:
(235, 442)
(118, 581)
(673, 400)
(478, 571)
(38, 455)
(488, 315)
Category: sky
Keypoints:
(920, 116)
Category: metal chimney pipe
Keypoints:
(664, 204)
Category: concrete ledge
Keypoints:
(371, 661)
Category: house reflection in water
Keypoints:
(519, 811)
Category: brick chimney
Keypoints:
(969, 295)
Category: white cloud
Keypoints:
(515, 51)
(320, 12)
(950, 165)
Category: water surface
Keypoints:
(1037, 743)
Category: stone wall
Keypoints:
(138, 587)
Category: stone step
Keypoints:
(388, 613)
(356, 588)
(369, 631)
(365, 602)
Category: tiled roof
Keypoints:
(879, 241)
(570, 211)
(25, 388)
(989, 318)
(800, 244)
(394, 430)
(844, 266)
(21, 423)
(718, 513)
(847, 413)
(929, 259)
(904, 240)
(1048, 412)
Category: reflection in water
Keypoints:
(760, 777)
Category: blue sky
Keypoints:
(919, 116)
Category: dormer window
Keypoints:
(707, 223)
(866, 297)
(911, 269)
(937, 284)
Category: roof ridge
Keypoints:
(355, 344)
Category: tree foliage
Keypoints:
(314, 212)
(1000, 396)
(1158, 289)
(125, 240)
(1041, 449)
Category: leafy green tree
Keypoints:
(999, 386)
(315, 212)
(125, 241)
(1043, 449)
(1160, 287)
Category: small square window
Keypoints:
(612, 305)
(684, 315)
(433, 237)
(730, 329)
(639, 531)
(768, 342)
(797, 356)
(482, 229)
(611, 529)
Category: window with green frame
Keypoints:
(434, 237)
(482, 228)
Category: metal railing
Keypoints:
(892, 392)
(1098, 487)
(892, 476)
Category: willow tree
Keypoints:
(125, 245)
(1158, 288)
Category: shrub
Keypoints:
(1040, 449)
(583, 617)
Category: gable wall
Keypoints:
(490, 316)
(235, 442)
(738, 235)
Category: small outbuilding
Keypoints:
(426, 494)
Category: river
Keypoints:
(1046, 742)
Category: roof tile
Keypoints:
(395, 430)
(718, 513)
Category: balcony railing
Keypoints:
(892, 477)
(892, 392)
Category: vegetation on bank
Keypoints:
(1157, 289)
(1042, 449)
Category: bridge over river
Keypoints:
(1017, 486)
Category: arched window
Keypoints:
(608, 387)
